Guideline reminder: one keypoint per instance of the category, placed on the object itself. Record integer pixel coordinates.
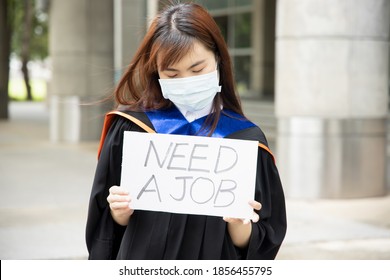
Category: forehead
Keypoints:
(196, 52)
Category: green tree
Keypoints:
(29, 36)
(23, 32)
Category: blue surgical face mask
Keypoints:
(191, 93)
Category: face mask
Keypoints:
(191, 93)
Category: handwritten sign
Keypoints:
(189, 174)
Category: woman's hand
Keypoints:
(119, 200)
(240, 229)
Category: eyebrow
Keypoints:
(192, 66)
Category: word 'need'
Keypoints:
(181, 156)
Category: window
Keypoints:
(248, 27)
(234, 18)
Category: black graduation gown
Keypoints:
(159, 235)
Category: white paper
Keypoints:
(189, 174)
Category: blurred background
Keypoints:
(313, 74)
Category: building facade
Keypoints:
(314, 75)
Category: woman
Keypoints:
(180, 81)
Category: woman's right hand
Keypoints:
(119, 200)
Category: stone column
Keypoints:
(332, 69)
(263, 57)
(81, 50)
(129, 29)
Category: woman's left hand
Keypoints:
(255, 217)
(240, 229)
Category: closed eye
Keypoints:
(197, 71)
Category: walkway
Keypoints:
(44, 192)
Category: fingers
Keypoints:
(118, 190)
(255, 205)
(233, 221)
(118, 198)
(254, 218)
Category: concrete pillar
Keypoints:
(129, 29)
(332, 69)
(257, 65)
(81, 50)
(263, 56)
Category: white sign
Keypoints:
(189, 174)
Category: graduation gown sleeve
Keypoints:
(268, 233)
(103, 234)
(180, 236)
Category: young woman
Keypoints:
(180, 81)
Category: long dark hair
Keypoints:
(171, 36)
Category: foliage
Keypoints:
(17, 90)
(39, 38)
